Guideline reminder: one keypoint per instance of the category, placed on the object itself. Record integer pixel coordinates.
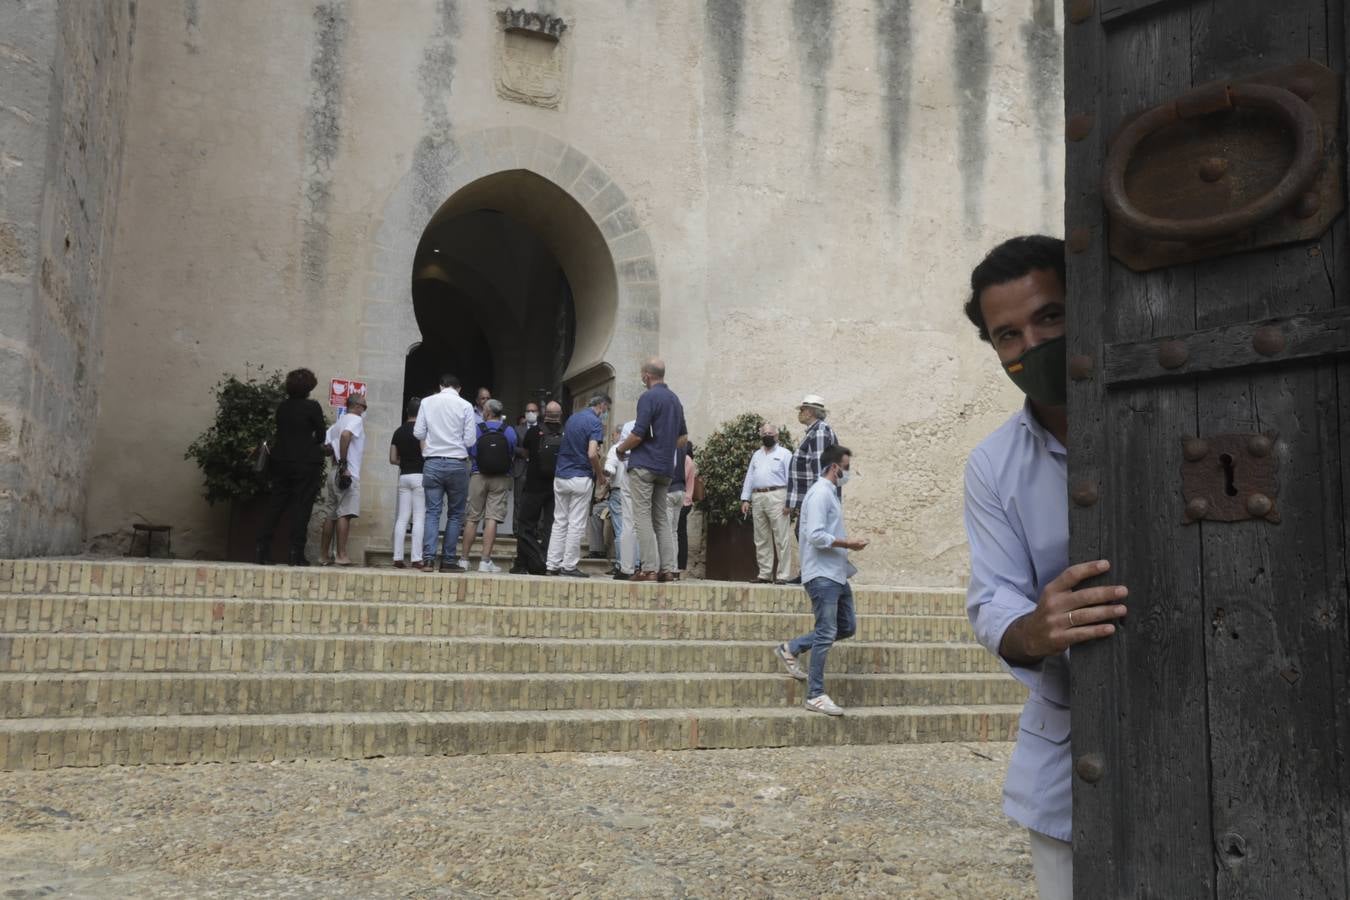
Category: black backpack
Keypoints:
(492, 451)
(550, 445)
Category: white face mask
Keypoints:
(844, 475)
(531, 418)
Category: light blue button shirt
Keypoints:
(822, 524)
(1017, 521)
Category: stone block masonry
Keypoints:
(127, 663)
(64, 72)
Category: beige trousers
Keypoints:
(1052, 861)
(772, 530)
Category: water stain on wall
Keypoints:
(435, 80)
(725, 24)
(192, 21)
(812, 22)
(895, 45)
(971, 61)
(1044, 67)
(323, 133)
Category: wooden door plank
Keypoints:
(1270, 645)
(1315, 333)
(1116, 9)
(1095, 700)
(1139, 697)
(1335, 252)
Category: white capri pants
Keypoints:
(412, 503)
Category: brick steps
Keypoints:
(45, 613)
(169, 579)
(128, 662)
(504, 556)
(63, 694)
(157, 652)
(49, 743)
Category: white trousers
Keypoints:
(571, 508)
(773, 530)
(1052, 861)
(412, 503)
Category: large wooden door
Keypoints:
(1209, 300)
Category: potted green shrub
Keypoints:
(722, 462)
(245, 416)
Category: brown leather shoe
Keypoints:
(668, 576)
(643, 575)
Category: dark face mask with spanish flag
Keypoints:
(1041, 373)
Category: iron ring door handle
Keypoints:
(1300, 118)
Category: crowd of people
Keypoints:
(461, 463)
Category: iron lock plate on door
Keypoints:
(1230, 477)
(1226, 168)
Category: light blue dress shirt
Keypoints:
(1017, 521)
(822, 518)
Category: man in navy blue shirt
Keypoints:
(649, 452)
(579, 470)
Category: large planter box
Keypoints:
(731, 552)
(246, 517)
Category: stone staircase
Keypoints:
(127, 663)
(503, 554)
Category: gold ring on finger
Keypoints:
(1071, 618)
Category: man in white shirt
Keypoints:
(825, 574)
(342, 499)
(764, 494)
(446, 428)
(625, 534)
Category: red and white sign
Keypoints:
(341, 388)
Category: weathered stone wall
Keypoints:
(791, 194)
(64, 69)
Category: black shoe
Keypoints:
(263, 554)
(297, 559)
(572, 573)
(797, 580)
(553, 573)
(518, 570)
(622, 576)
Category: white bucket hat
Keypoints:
(815, 401)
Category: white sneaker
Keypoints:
(823, 704)
(789, 662)
(487, 565)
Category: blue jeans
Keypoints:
(444, 480)
(832, 603)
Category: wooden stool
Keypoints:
(150, 531)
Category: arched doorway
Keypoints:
(584, 220)
(513, 289)
(494, 306)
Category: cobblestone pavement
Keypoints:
(892, 821)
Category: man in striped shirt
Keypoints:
(805, 467)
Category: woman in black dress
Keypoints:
(296, 466)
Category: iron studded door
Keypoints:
(1209, 311)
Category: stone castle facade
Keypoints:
(778, 197)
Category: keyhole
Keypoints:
(1228, 486)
